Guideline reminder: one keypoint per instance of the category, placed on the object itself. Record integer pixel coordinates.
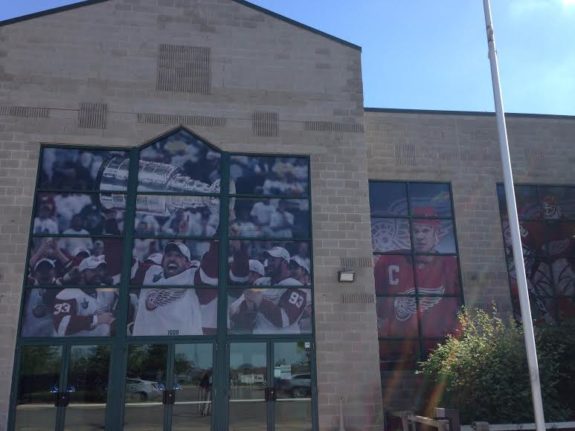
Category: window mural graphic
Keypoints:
(547, 228)
(416, 268)
(78, 266)
(273, 235)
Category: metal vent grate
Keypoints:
(92, 115)
(192, 120)
(405, 154)
(184, 69)
(357, 298)
(356, 262)
(24, 111)
(328, 126)
(265, 123)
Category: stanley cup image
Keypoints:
(154, 177)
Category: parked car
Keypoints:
(299, 386)
(144, 389)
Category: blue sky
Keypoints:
(424, 54)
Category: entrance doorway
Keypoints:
(270, 386)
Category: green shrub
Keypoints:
(483, 371)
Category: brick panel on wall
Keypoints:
(189, 120)
(405, 154)
(356, 262)
(357, 298)
(92, 116)
(184, 69)
(330, 126)
(265, 124)
(24, 111)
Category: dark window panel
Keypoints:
(387, 199)
(88, 378)
(558, 240)
(398, 354)
(430, 200)
(528, 205)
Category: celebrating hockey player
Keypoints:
(169, 310)
(89, 310)
(273, 310)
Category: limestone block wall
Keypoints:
(120, 72)
(463, 149)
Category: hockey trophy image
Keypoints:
(155, 177)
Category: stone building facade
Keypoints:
(120, 73)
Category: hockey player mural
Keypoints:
(416, 270)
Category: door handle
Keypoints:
(169, 397)
(270, 394)
(61, 399)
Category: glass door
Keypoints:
(169, 387)
(193, 381)
(145, 386)
(270, 386)
(62, 388)
(293, 386)
(249, 387)
(87, 387)
(38, 382)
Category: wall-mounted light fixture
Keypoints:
(346, 276)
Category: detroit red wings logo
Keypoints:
(406, 307)
(158, 297)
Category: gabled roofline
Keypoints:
(242, 2)
(298, 24)
(50, 11)
(467, 113)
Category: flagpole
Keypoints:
(514, 227)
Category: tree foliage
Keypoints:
(482, 371)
